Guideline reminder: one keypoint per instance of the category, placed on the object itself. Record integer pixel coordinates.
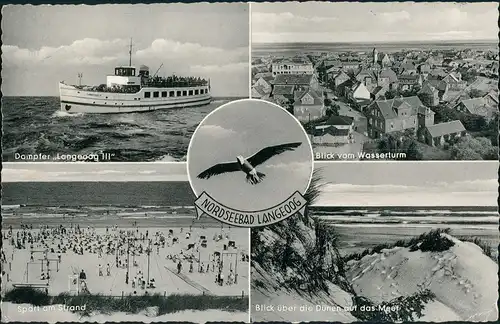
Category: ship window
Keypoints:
(171, 94)
(147, 94)
(190, 92)
(163, 93)
(196, 92)
(179, 94)
(156, 94)
(184, 93)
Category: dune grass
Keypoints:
(129, 304)
(431, 241)
(401, 309)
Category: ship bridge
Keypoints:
(125, 76)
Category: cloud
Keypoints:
(45, 66)
(287, 21)
(226, 68)
(404, 199)
(163, 172)
(348, 22)
(297, 167)
(383, 188)
(87, 51)
(478, 185)
(91, 51)
(481, 185)
(395, 17)
(216, 131)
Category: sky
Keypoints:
(409, 184)
(92, 172)
(244, 128)
(43, 45)
(373, 22)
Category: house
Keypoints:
(297, 79)
(378, 92)
(335, 130)
(328, 64)
(493, 68)
(294, 65)
(441, 86)
(424, 69)
(340, 122)
(266, 75)
(491, 99)
(367, 77)
(455, 82)
(425, 117)
(358, 92)
(259, 92)
(478, 106)
(387, 77)
(340, 78)
(387, 116)
(308, 104)
(409, 82)
(330, 135)
(283, 92)
(384, 60)
(350, 66)
(266, 82)
(439, 134)
(407, 69)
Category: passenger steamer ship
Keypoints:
(127, 91)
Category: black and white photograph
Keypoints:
(114, 83)
(250, 155)
(385, 242)
(385, 81)
(113, 242)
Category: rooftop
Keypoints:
(441, 129)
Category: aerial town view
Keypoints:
(405, 91)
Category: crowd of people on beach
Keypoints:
(124, 245)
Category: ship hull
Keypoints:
(74, 100)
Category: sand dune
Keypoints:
(463, 279)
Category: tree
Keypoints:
(390, 94)
(425, 98)
(333, 110)
(474, 123)
(475, 93)
(401, 143)
(469, 148)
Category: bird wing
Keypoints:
(270, 151)
(219, 169)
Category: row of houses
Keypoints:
(408, 113)
(301, 91)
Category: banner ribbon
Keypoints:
(206, 205)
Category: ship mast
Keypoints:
(130, 54)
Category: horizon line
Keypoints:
(384, 41)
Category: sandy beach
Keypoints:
(54, 257)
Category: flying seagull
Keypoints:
(248, 164)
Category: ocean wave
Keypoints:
(63, 114)
(29, 127)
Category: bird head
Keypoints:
(240, 159)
